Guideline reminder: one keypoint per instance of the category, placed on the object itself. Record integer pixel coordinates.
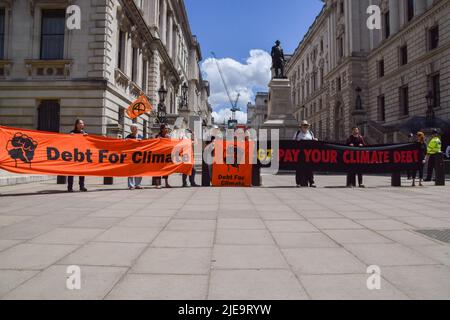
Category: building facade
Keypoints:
(257, 113)
(389, 81)
(51, 74)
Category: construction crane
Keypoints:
(234, 104)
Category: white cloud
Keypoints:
(225, 114)
(244, 78)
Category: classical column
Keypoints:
(177, 45)
(420, 6)
(169, 44)
(163, 21)
(394, 15)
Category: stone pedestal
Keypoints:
(281, 110)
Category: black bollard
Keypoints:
(206, 179)
(396, 180)
(108, 181)
(256, 176)
(61, 179)
(440, 169)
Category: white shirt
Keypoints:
(299, 136)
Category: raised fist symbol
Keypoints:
(21, 147)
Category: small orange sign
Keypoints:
(235, 168)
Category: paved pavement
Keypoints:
(274, 242)
(8, 179)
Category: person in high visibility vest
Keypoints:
(434, 148)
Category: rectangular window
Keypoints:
(410, 9)
(433, 35)
(340, 47)
(381, 108)
(134, 70)
(121, 53)
(381, 68)
(435, 84)
(52, 34)
(2, 34)
(314, 81)
(403, 55)
(404, 101)
(387, 25)
(338, 84)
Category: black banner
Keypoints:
(329, 157)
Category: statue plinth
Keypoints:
(281, 110)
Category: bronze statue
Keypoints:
(278, 60)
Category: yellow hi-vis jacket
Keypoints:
(434, 146)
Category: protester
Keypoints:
(134, 182)
(78, 129)
(433, 149)
(355, 140)
(194, 172)
(411, 139)
(208, 161)
(304, 176)
(163, 134)
(423, 153)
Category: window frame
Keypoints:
(381, 108)
(430, 46)
(404, 101)
(51, 12)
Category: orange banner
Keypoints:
(35, 152)
(139, 107)
(232, 167)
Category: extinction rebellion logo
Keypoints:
(21, 147)
(138, 108)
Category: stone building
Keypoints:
(344, 74)
(257, 113)
(51, 74)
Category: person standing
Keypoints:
(134, 182)
(78, 129)
(304, 176)
(433, 149)
(163, 134)
(355, 140)
(423, 153)
(411, 139)
(194, 172)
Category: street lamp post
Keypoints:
(184, 98)
(162, 113)
(430, 117)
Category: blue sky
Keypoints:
(233, 28)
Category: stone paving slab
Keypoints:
(274, 242)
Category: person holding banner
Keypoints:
(78, 129)
(355, 140)
(194, 172)
(163, 134)
(420, 138)
(134, 182)
(304, 176)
